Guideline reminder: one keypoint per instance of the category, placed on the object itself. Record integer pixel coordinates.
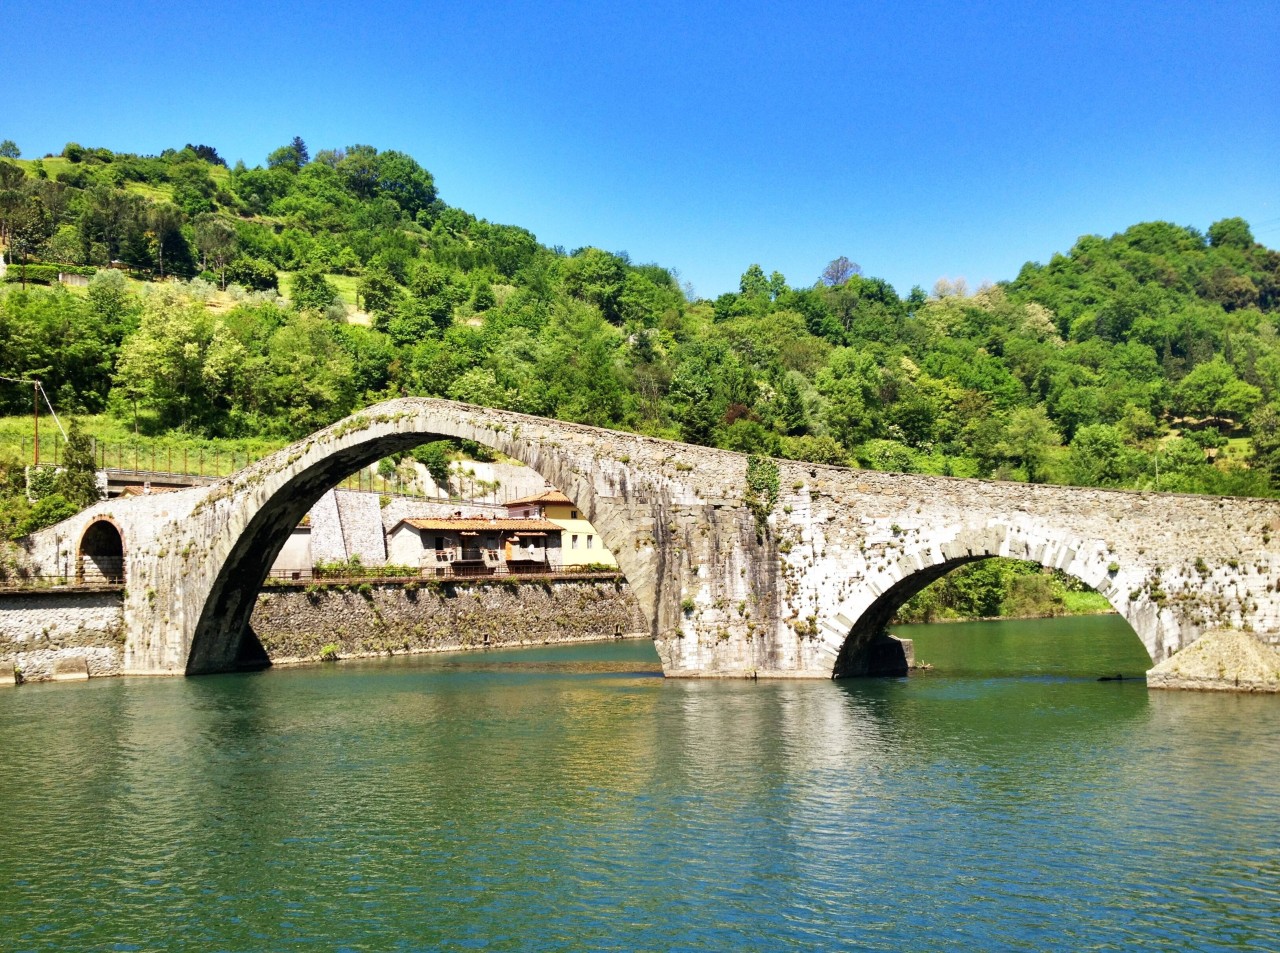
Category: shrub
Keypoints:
(42, 273)
(49, 510)
(252, 273)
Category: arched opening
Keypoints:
(100, 556)
(865, 646)
(294, 479)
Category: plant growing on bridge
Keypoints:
(761, 492)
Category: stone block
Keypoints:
(70, 669)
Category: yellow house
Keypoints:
(580, 544)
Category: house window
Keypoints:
(590, 541)
(575, 541)
(573, 514)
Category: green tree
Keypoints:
(435, 456)
(291, 157)
(852, 387)
(1264, 425)
(1213, 389)
(9, 150)
(193, 189)
(1231, 232)
(164, 222)
(29, 227)
(377, 291)
(596, 277)
(1098, 456)
(482, 299)
(1029, 441)
(46, 511)
(753, 283)
(179, 366)
(312, 291)
(252, 273)
(815, 450)
(792, 417)
(216, 242)
(78, 479)
(695, 404)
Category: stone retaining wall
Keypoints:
(54, 635)
(296, 624)
(64, 635)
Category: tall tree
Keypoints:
(291, 157)
(12, 180)
(164, 222)
(78, 479)
(216, 241)
(30, 226)
(839, 271)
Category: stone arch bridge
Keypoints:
(743, 566)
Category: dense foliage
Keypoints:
(1128, 361)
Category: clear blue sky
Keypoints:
(921, 139)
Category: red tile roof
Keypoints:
(480, 524)
(547, 496)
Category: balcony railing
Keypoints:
(443, 570)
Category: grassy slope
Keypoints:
(156, 193)
(345, 284)
(116, 437)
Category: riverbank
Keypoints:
(55, 635)
(1007, 592)
(1022, 617)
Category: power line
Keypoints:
(43, 393)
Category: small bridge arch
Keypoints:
(852, 626)
(100, 552)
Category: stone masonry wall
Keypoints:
(62, 634)
(296, 624)
(345, 523)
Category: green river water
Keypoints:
(570, 798)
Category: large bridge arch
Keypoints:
(849, 629)
(267, 500)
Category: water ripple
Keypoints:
(569, 800)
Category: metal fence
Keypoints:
(143, 460)
(18, 580)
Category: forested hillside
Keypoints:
(269, 301)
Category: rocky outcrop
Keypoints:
(1220, 661)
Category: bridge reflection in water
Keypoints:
(571, 799)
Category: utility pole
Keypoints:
(35, 418)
